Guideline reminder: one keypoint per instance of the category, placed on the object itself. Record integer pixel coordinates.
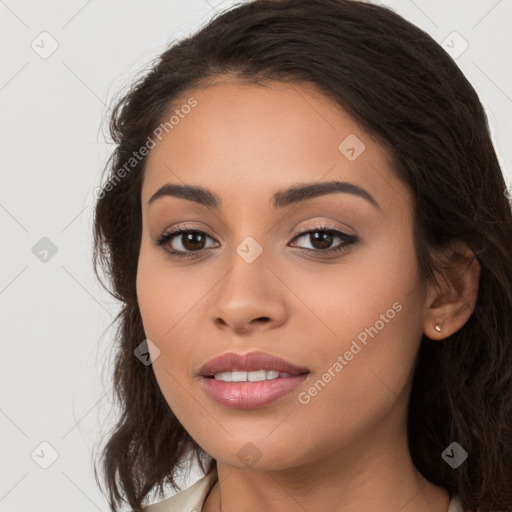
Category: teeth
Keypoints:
(240, 376)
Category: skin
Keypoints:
(346, 449)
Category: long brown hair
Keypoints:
(404, 90)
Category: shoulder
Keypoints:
(188, 500)
(455, 504)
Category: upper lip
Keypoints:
(250, 361)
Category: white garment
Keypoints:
(188, 500)
(193, 498)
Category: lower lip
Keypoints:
(251, 395)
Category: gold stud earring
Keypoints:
(437, 328)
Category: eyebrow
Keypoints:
(280, 199)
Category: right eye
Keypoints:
(191, 241)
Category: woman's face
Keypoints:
(353, 319)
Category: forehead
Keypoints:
(249, 140)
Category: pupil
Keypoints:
(191, 238)
(324, 239)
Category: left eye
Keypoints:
(322, 238)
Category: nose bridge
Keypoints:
(249, 290)
(248, 276)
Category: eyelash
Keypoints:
(349, 240)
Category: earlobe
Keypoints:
(453, 300)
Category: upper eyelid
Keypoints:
(324, 227)
(300, 231)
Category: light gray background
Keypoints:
(54, 315)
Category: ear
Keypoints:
(451, 302)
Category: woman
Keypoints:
(307, 226)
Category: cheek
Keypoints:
(371, 379)
(339, 301)
(161, 304)
(172, 305)
(376, 317)
(168, 297)
(165, 303)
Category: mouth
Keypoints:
(250, 381)
(253, 376)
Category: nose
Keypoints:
(248, 298)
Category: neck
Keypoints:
(364, 475)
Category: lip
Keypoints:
(250, 395)
(248, 362)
